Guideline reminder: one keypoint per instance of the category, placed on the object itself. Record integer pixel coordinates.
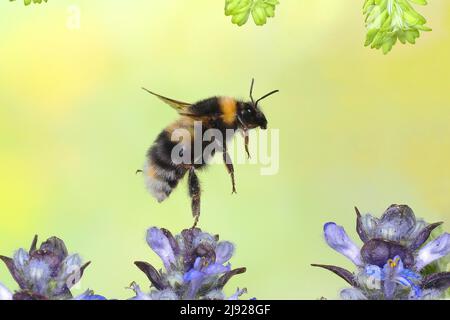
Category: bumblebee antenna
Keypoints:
(251, 90)
(265, 96)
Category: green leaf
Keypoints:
(390, 20)
(240, 10)
(28, 2)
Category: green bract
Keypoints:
(389, 20)
(260, 10)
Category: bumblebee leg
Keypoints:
(194, 193)
(139, 171)
(229, 165)
(246, 141)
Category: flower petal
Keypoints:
(389, 288)
(159, 243)
(20, 258)
(74, 260)
(436, 249)
(204, 238)
(95, 297)
(195, 279)
(38, 273)
(416, 292)
(224, 251)
(396, 223)
(216, 268)
(193, 275)
(70, 266)
(173, 242)
(337, 238)
(89, 295)
(352, 294)
(5, 294)
(370, 277)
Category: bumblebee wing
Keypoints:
(181, 107)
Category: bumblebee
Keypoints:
(225, 114)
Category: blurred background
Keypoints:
(356, 128)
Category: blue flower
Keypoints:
(45, 273)
(200, 271)
(195, 262)
(89, 295)
(392, 256)
(394, 274)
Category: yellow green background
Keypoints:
(356, 128)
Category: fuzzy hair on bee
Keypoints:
(163, 173)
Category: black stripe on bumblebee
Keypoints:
(162, 173)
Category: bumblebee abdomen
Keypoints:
(161, 174)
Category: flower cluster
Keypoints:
(196, 266)
(47, 273)
(391, 263)
(28, 2)
(390, 20)
(260, 10)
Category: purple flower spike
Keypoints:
(45, 273)
(436, 249)
(391, 263)
(337, 238)
(159, 243)
(195, 266)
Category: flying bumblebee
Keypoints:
(162, 173)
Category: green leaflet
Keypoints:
(390, 20)
(27, 2)
(240, 10)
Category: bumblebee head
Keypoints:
(250, 115)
